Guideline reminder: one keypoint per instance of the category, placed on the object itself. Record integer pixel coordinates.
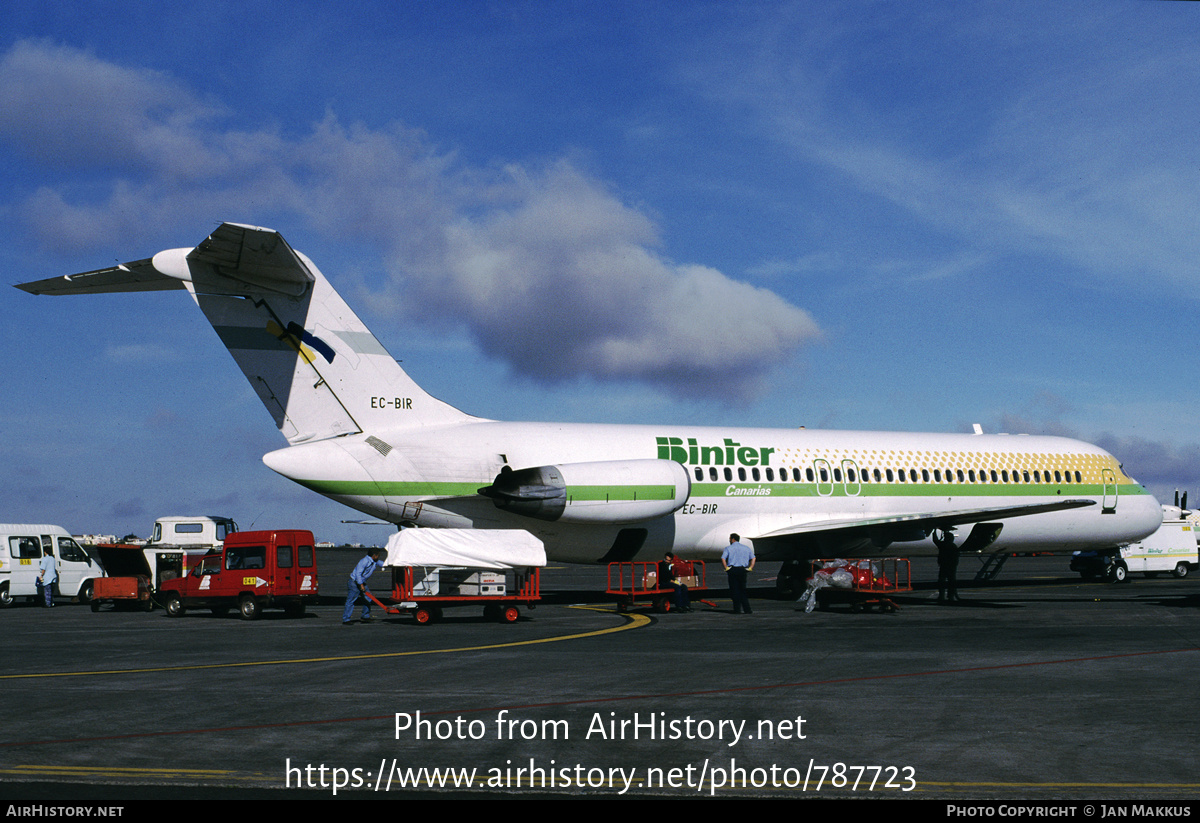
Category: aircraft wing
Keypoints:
(232, 258)
(926, 521)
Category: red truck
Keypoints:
(252, 571)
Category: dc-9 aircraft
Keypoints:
(361, 432)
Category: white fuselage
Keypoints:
(752, 481)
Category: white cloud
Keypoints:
(547, 268)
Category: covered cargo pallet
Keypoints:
(437, 568)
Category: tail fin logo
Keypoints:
(300, 341)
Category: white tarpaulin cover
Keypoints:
(474, 548)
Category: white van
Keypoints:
(1171, 549)
(21, 551)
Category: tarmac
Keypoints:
(1039, 687)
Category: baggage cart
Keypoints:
(425, 591)
(634, 582)
(872, 583)
(133, 591)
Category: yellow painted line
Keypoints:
(127, 770)
(632, 621)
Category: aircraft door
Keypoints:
(851, 478)
(1109, 503)
(824, 477)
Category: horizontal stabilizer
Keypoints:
(140, 275)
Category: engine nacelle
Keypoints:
(617, 491)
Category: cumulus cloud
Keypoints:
(545, 266)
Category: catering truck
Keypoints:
(252, 571)
(136, 572)
(1171, 550)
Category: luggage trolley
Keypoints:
(434, 569)
(634, 581)
(871, 582)
(424, 591)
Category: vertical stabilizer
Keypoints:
(315, 366)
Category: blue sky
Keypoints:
(846, 215)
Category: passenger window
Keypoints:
(728, 473)
(712, 474)
(741, 474)
(255, 557)
(754, 474)
(283, 557)
(304, 557)
(24, 548)
(770, 474)
(699, 473)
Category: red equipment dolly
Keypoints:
(631, 581)
(409, 592)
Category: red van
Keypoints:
(252, 571)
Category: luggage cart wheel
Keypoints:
(510, 614)
(423, 616)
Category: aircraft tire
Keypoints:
(1119, 573)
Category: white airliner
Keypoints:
(363, 433)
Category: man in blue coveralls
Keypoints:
(357, 586)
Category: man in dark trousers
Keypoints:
(947, 560)
(738, 560)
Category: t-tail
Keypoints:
(315, 366)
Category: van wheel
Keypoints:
(249, 607)
(86, 592)
(174, 606)
(1181, 570)
(6, 599)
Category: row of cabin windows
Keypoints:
(822, 475)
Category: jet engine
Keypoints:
(618, 491)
